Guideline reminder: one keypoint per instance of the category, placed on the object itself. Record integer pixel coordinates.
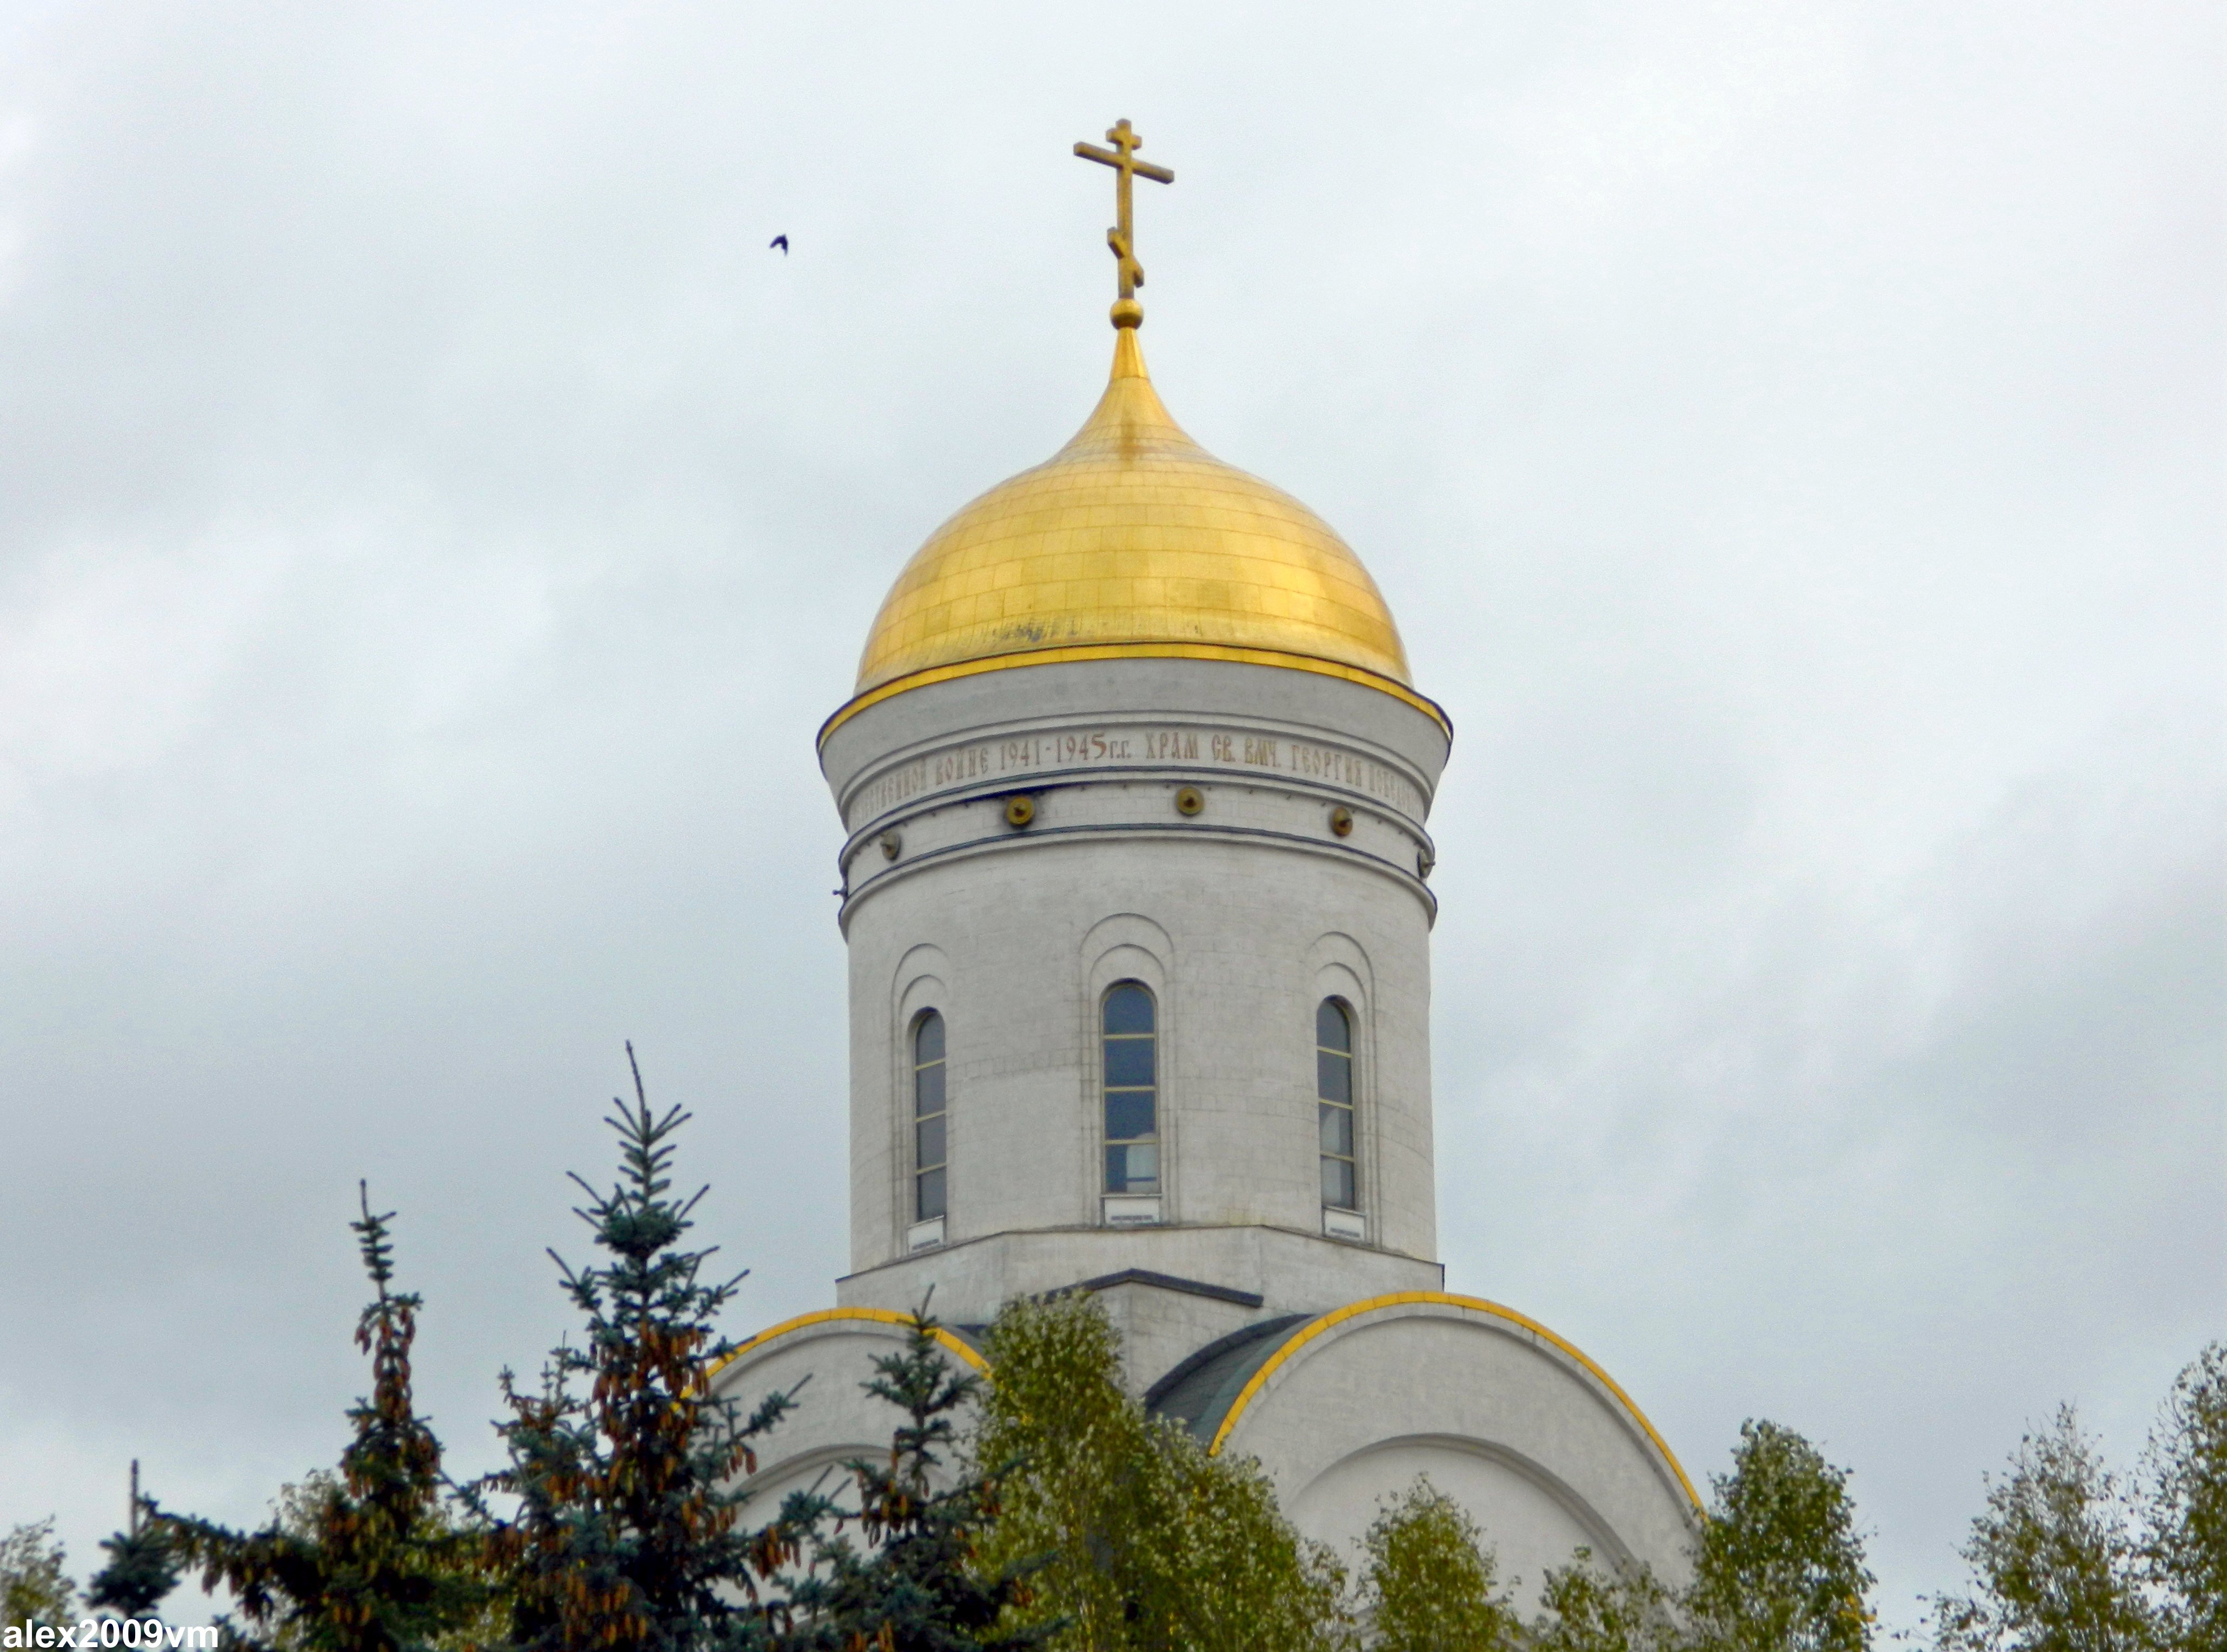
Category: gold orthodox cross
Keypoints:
(1122, 237)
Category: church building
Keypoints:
(1134, 790)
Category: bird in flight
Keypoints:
(781, 241)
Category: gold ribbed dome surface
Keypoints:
(1131, 539)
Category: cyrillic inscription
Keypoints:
(1023, 757)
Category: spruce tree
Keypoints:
(627, 1536)
(375, 1565)
(142, 1569)
(923, 1583)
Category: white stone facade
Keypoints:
(1239, 919)
(1546, 1453)
(1319, 1340)
(1343, 1409)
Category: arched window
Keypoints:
(929, 1162)
(1334, 1104)
(1133, 1135)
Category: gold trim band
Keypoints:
(878, 1315)
(1290, 1347)
(1321, 668)
(1313, 1328)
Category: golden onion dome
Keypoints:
(1132, 541)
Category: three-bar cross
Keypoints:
(1122, 237)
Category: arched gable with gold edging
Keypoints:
(1314, 1328)
(1284, 1353)
(826, 1315)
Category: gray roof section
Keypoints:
(1199, 1392)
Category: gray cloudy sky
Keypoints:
(432, 526)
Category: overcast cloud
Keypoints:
(433, 524)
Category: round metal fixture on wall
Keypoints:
(1020, 810)
(1190, 801)
(892, 846)
(1341, 821)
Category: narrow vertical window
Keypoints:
(1334, 1103)
(1133, 1135)
(928, 1117)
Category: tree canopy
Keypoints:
(1046, 1508)
(143, 1564)
(36, 1586)
(625, 1464)
(2052, 1557)
(1780, 1564)
(2185, 1550)
(1145, 1542)
(1590, 1607)
(923, 1582)
(1431, 1583)
(372, 1565)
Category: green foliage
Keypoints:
(297, 1510)
(141, 1570)
(1058, 1412)
(2054, 1567)
(1144, 1542)
(371, 1563)
(1780, 1564)
(921, 1584)
(1593, 1608)
(142, 1566)
(1232, 1572)
(33, 1584)
(626, 1536)
(1430, 1580)
(2186, 1553)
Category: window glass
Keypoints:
(1129, 1062)
(929, 1116)
(1129, 1040)
(1337, 1131)
(1337, 1183)
(1334, 1104)
(1129, 1009)
(1129, 1115)
(1332, 1029)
